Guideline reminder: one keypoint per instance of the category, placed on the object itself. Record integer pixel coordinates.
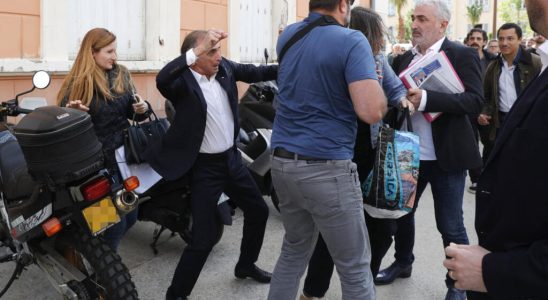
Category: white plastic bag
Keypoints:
(147, 176)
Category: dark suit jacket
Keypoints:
(512, 201)
(175, 155)
(454, 142)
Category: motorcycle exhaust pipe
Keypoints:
(126, 201)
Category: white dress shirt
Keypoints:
(543, 52)
(421, 126)
(507, 87)
(219, 131)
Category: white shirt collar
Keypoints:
(199, 77)
(543, 52)
(434, 48)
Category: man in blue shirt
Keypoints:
(325, 79)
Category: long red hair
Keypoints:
(85, 77)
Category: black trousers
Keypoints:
(212, 175)
(475, 173)
(488, 143)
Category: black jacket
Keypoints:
(512, 202)
(110, 117)
(454, 141)
(175, 154)
(488, 57)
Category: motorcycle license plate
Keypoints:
(101, 215)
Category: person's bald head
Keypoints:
(537, 10)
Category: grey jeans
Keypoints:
(324, 196)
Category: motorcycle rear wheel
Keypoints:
(107, 276)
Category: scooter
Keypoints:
(51, 211)
(257, 109)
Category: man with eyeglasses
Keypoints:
(493, 47)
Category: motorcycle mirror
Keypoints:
(41, 79)
(266, 56)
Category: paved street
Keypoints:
(152, 274)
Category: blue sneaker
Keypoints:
(455, 294)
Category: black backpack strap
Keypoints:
(323, 21)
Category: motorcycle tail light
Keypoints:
(96, 189)
(131, 183)
(52, 226)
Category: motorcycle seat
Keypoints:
(16, 182)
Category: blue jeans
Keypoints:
(447, 191)
(114, 234)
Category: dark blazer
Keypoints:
(176, 153)
(454, 142)
(512, 201)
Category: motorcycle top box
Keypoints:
(59, 144)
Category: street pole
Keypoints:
(495, 19)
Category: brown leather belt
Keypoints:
(281, 152)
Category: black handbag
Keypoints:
(139, 136)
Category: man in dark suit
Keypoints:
(511, 260)
(448, 145)
(202, 86)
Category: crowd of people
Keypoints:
(329, 109)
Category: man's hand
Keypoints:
(77, 104)
(211, 39)
(484, 119)
(414, 96)
(406, 103)
(464, 266)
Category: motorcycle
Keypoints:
(257, 110)
(52, 210)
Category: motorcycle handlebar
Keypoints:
(10, 108)
(23, 111)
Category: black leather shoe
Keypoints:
(455, 294)
(253, 272)
(388, 275)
